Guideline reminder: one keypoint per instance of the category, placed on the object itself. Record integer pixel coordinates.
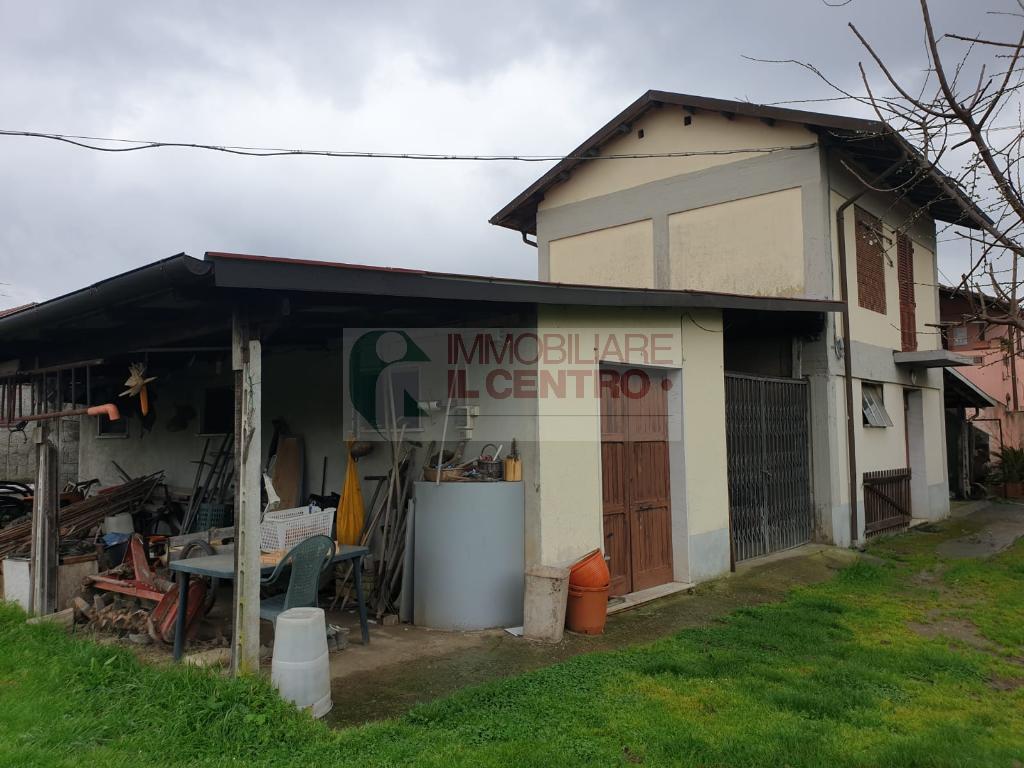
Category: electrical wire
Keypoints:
(137, 144)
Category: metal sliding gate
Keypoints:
(768, 440)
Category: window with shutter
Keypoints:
(908, 306)
(870, 261)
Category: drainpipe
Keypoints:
(844, 290)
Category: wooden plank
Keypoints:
(45, 533)
(650, 514)
(289, 470)
(245, 648)
(615, 520)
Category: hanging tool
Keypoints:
(136, 383)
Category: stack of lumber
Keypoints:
(386, 529)
(80, 517)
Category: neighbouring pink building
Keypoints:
(998, 370)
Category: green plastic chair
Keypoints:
(308, 560)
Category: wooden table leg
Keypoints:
(361, 602)
(179, 626)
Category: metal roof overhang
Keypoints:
(961, 392)
(158, 277)
(182, 299)
(240, 271)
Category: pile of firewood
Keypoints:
(79, 518)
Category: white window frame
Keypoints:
(872, 398)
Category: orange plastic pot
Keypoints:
(587, 609)
(590, 571)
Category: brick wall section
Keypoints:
(18, 447)
(870, 261)
(908, 306)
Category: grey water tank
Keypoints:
(469, 555)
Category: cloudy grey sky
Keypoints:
(457, 77)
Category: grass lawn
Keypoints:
(906, 660)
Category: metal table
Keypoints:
(222, 566)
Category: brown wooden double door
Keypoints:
(635, 478)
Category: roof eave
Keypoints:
(158, 275)
(244, 272)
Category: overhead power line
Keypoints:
(86, 142)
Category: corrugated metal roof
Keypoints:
(16, 310)
(246, 271)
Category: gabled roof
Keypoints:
(871, 143)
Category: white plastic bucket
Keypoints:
(547, 590)
(121, 523)
(300, 669)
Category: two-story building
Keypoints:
(998, 368)
(685, 193)
(995, 419)
(675, 382)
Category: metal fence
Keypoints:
(886, 500)
(769, 464)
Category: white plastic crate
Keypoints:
(284, 528)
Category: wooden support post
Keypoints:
(45, 533)
(247, 359)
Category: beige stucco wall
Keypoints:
(622, 256)
(664, 131)
(749, 246)
(569, 452)
(926, 294)
(935, 435)
(880, 448)
(885, 448)
(873, 327)
(703, 380)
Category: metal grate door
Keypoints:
(767, 435)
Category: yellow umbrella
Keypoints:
(350, 510)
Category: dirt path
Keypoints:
(1001, 525)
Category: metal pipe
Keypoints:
(844, 290)
(1012, 332)
(107, 409)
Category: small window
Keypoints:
(218, 414)
(959, 336)
(873, 404)
(107, 428)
